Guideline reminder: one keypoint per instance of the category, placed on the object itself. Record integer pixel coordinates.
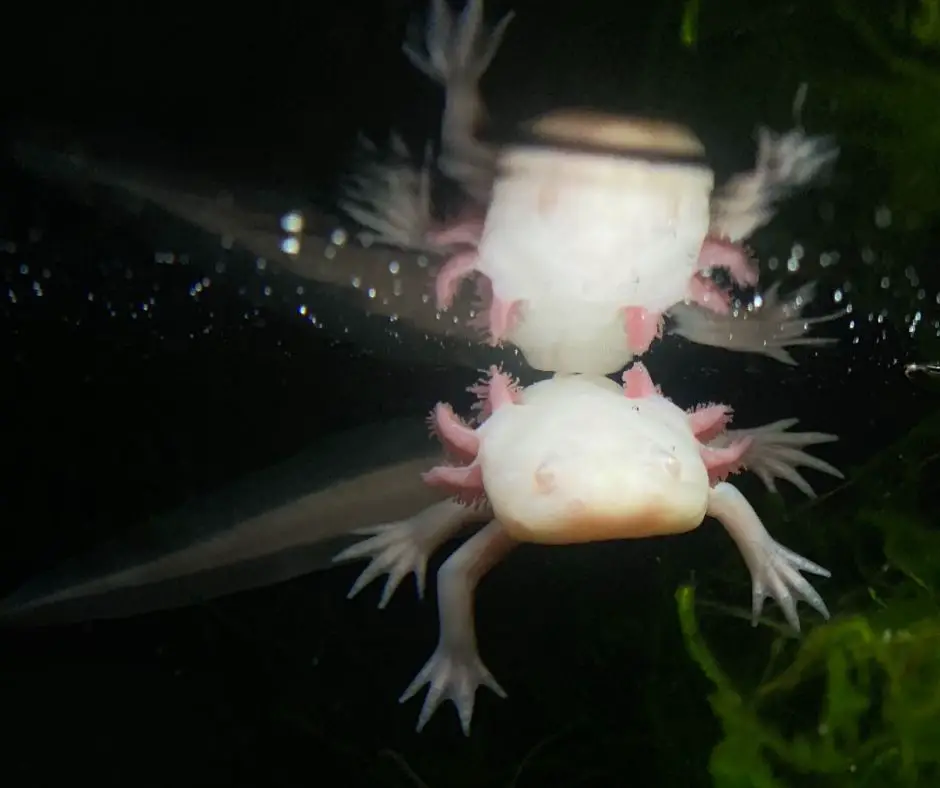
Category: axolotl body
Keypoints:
(571, 459)
(584, 234)
(586, 231)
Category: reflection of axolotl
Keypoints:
(586, 230)
(647, 212)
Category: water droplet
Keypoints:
(883, 217)
(292, 222)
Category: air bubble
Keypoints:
(292, 222)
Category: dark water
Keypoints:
(131, 386)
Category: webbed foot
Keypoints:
(785, 162)
(456, 50)
(391, 197)
(769, 326)
(775, 453)
(402, 548)
(452, 674)
(775, 570)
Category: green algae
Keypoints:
(856, 702)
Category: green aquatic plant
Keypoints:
(895, 111)
(875, 692)
(856, 702)
(887, 104)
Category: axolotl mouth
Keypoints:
(580, 523)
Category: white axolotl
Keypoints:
(589, 228)
(292, 519)
(574, 459)
(657, 173)
(584, 233)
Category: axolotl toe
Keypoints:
(579, 459)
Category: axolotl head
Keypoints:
(577, 461)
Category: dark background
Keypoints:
(124, 395)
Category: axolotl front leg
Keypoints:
(498, 317)
(775, 569)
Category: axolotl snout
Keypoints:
(572, 459)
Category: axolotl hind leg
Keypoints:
(402, 548)
(455, 669)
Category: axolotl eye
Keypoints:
(667, 460)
